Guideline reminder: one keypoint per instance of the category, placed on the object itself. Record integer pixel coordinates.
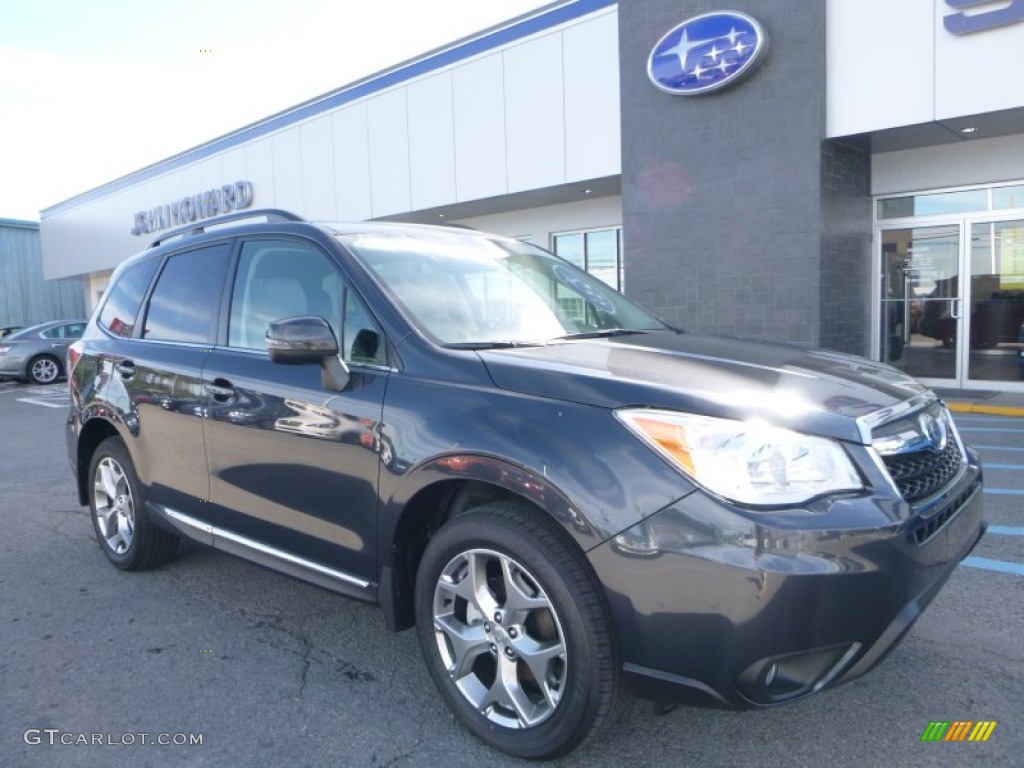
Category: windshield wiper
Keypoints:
(602, 334)
(489, 344)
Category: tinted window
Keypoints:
(278, 279)
(362, 340)
(125, 298)
(184, 303)
(69, 331)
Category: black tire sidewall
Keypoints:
(114, 447)
(571, 721)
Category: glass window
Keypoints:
(69, 331)
(469, 291)
(278, 279)
(934, 204)
(185, 302)
(124, 298)
(362, 340)
(1008, 197)
(599, 252)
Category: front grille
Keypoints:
(924, 529)
(920, 474)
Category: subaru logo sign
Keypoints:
(707, 52)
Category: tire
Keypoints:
(125, 534)
(554, 627)
(43, 369)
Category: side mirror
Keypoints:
(308, 340)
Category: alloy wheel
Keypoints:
(114, 505)
(500, 638)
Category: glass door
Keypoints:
(996, 301)
(921, 302)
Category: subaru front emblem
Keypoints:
(706, 53)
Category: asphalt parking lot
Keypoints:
(269, 671)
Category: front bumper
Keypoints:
(713, 607)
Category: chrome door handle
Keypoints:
(220, 389)
(954, 308)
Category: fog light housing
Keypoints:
(780, 678)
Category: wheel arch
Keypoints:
(93, 432)
(448, 486)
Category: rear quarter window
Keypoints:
(124, 300)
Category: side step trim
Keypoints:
(210, 534)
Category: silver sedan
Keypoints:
(37, 354)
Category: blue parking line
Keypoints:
(989, 429)
(1003, 466)
(993, 565)
(1004, 491)
(997, 448)
(986, 419)
(1005, 530)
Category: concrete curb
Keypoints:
(992, 410)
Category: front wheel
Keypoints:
(43, 369)
(514, 632)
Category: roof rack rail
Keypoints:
(271, 214)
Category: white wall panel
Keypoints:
(259, 161)
(479, 102)
(388, 125)
(979, 161)
(977, 73)
(317, 169)
(286, 148)
(351, 163)
(232, 166)
(432, 141)
(880, 56)
(590, 61)
(539, 223)
(535, 114)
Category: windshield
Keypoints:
(469, 290)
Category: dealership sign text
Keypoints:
(223, 199)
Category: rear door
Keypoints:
(154, 377)
(294, 466)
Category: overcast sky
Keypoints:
(93, 89)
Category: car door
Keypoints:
(153, 375)
(293, 465)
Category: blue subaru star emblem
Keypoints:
(707, 52)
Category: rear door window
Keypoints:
(185, 303)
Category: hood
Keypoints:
(812, 391)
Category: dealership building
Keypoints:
(846, 174)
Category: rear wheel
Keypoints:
(514, 632)
(126, 535)
(43, 369)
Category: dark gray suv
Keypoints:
(566, 497)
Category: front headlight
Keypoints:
(747, 462)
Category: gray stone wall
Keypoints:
(726, 206)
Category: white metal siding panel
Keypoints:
(259, 161)
(977, 73)
(590, 60)
(389, 153)
(317, 169)
(535, 114)
(351, 163)
(880, 57)
(287, 151)
(432, 141)
(980, 161)
(479, 106)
